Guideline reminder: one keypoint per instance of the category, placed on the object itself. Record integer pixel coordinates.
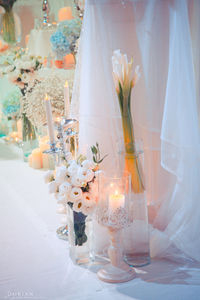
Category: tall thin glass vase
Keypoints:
(79, 236)
(136, 235)
(30, 141)
(8, 27)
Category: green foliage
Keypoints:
(96, 154)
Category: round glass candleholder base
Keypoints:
(114, 274)
(137, 259)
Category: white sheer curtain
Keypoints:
(163, 37)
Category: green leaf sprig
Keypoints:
(96, 154)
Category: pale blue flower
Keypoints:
(11, 102)
(60, 43)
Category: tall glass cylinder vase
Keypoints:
(30, 141)
(79, 236)
(8, 27)
(136, 235)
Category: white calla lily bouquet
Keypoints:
(125, 80)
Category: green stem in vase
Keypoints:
(28, 129)
(8, 27)
(132, 163)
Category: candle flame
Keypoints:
(58, 119)
(46, 97)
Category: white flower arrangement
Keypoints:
(21, 68)
(76, 183)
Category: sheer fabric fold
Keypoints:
(162, 37)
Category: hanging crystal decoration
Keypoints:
(46, 10)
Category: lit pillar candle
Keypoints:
(65, 13)
(116, 201)
(36, 160)
(49, 120)
(45, 160)
(66, 99)
(43, 146)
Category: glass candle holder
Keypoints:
(113, 213)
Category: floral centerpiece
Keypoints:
(125, 80)
(75, 185)
(21, 71)
(8, 24)
(64, 40)
(23, 75)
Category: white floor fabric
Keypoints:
(35, 264)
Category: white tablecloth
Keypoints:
(34, 263)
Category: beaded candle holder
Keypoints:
(112, 212)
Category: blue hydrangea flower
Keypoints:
(71, 28)
(60, 44)
(11, 102)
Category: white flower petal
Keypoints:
(61, 173)
(88, 199)
(85, 175)
(77, 181)
(65, 188)
(52, 187)
(75, 194)
(78, 205)
(88, 164)
(49, 176)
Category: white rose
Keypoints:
(73, 168)
(88, 164)
(75, 194)
(65, 188)
(85, 175)
(61, 173)
(52, 187)
(61, 199)
(77, 181)
(88, 199)
(77, 206)
(49, 176)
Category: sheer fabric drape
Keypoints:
(163, 37)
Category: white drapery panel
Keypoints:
(162, 36)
